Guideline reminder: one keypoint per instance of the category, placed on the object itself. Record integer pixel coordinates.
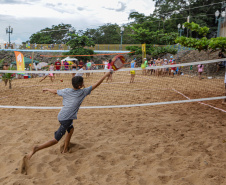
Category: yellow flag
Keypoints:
(19, 61)
(143, 51)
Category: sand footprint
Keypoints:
(72, 147)
(24, 166)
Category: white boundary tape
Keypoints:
(202, 102)
(122, 106)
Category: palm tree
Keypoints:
(8, 77)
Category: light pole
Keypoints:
(9, 31)
(122, 30)
(179, 29)
(220, 20)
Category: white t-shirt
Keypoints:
(105, 65)
(79, 74)
(35, 66)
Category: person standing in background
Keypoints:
(57, 66)
(5, 67)
(66, 65)
(200, 70)
(132, 72)
(73, 67)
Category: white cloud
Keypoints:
(29, 16)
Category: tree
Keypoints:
(77, 44)
(200, 11)
(144, 35)
(207, 45)
(151, 50)
(138, 17)
(57, 34)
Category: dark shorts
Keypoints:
(64, 126)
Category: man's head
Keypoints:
(77, 82)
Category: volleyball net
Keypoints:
(153, 85)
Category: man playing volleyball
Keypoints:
(72, 99)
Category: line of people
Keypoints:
(167, 71)
(75, 66)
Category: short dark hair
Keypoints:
(77, 81)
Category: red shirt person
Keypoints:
(57, 65)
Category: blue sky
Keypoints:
(29, 16)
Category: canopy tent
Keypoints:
(27, 61)
(42, 64)
(69, 60)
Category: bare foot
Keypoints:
(35, 149)
(223, 102)
(64, 151)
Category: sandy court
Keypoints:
(178, 144)
(146, 89)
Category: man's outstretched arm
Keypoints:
(100, 81)
(54, 91)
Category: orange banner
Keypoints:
(19, 61)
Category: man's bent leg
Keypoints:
(67, 140)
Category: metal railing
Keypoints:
(102, 47)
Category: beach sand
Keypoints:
(177, 144)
